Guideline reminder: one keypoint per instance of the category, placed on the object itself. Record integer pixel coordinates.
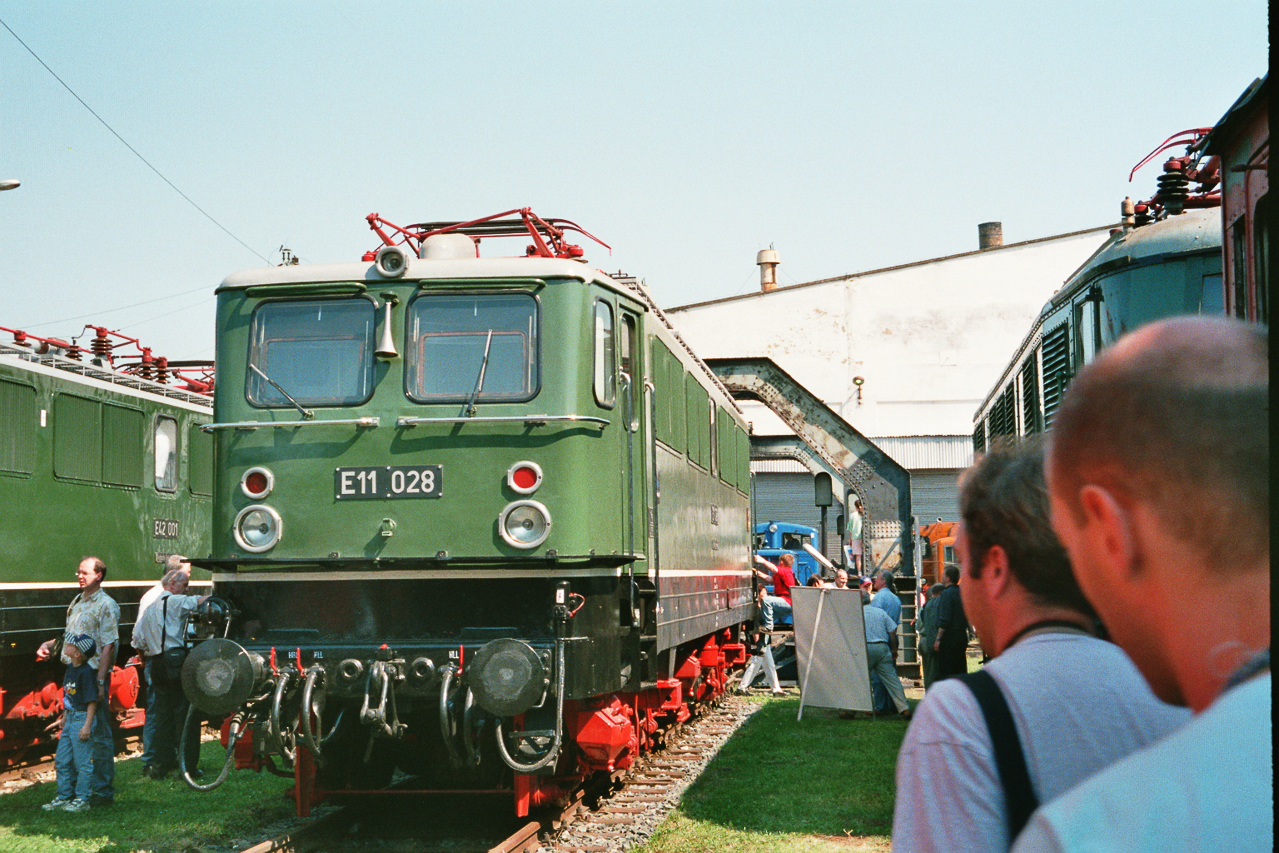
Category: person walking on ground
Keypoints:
(881, 652)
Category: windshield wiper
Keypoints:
(469, 409)
(306, 413)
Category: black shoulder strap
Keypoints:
(1019, 793)
(164, 621)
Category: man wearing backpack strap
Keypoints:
(1055, 705)
(1160, 483)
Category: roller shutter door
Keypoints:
(789, 497)
(934, 494)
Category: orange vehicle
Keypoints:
(938, 541)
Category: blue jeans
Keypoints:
(773, 607)
(879, 694)
(74, 759)
(103, 742)
(148, 727)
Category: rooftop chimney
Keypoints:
(990, 235)
(767, 261)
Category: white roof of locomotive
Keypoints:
(366, 272)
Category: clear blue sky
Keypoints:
(848, 135)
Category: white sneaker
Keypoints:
(57, 803)
(76, 805)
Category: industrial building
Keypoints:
(904, 354)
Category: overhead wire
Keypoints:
(189, 200)
(121, 308)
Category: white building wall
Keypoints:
(929, 338)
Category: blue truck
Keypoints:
(774, 538)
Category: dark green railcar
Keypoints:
(487, 518)
(93, 461)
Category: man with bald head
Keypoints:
(1055, 705)
(1159, 483)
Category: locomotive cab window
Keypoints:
(480, 347)
(605, 375)
(166, 454)
(318, 352)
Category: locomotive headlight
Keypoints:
(391, 261)
(257, 528)
(525, 524)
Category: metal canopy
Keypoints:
(881, 483)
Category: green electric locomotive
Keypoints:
(483, 521)
(99, 457)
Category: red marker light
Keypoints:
(256, 482)
(524, 477)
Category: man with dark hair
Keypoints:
(951, 643)
(1159, 476)
(1064, 703)
(96, 614)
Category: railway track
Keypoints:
(611, 814)
(40, 768)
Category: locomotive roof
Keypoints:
(477, 268)
(1191, 231)
(89, 374)
(1194, 230)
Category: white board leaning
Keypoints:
(830, 644)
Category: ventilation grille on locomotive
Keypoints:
(1056, 369)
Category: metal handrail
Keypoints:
(359, 422)
(532, 420)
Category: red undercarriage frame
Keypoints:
(602, 734)
(28, 722)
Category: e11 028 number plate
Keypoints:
(387, 482)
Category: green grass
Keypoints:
(820, 784)
(148, 815)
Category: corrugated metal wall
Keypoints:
(934, 494)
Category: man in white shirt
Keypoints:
(1159, 475)
(1075, 703)
(149, 652)
(160, 628)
